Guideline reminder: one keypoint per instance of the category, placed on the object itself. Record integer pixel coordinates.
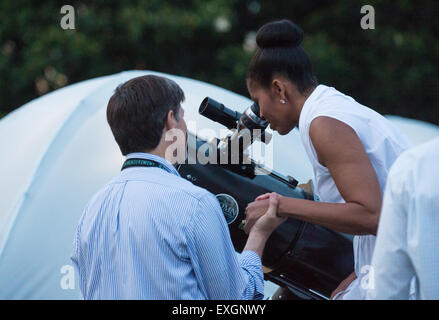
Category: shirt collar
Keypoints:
(149, 156)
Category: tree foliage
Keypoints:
(392, 69)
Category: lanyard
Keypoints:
(137, 162)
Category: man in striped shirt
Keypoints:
(150, 234)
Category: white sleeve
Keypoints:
(391, 265)
(423, 228)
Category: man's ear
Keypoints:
(171, 121)
(279, 89)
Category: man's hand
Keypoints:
(265, 225)
(269, 221)
(255, 210)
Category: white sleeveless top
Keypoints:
(383, 143)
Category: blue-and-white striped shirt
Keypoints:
(150, 234)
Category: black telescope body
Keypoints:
(307, 259)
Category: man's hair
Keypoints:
(138, 109)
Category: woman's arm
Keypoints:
(341, 151)
(348, 218)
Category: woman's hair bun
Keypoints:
(283, 33)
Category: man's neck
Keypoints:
(156, 152)
(159, 151)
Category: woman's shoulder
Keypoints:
(325, 99)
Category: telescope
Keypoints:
(308, 261)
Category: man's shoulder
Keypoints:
(171, 188)
(182, 185)
(164, 181)
(202, 200)
(416, 168)
(417, 156)
(427, 150)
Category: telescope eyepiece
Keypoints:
(218, 112)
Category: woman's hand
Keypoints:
(256, 209)
(270, 220)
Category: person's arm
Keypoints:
(220, 273)
(423, 231)
(392, 269)
(342, 152)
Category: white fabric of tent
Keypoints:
(58, 150)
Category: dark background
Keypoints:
(392, 69)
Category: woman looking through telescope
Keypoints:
(351, 147)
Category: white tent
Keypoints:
(58, 150)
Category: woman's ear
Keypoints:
(279, 89)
